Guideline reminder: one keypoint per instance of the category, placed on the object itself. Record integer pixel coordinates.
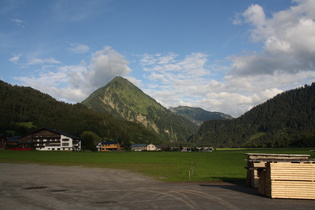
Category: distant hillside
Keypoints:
(24, 109)
(126, 101)
(288, 119)
(198, 115)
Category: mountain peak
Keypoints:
(119, 79)
(125, 100)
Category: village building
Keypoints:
(151, 147)
(205, 149)
(161, 147)
(50, 140)
(186, 149)
(138, 147)
(109, 146)
(12, 142)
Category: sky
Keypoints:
(221, 55)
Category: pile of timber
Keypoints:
(257, 162)
(290, 179)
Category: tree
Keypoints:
(89, 140)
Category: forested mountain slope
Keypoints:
(199, 115)
(288, 119)
(24, 109)
(126, 101)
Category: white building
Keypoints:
(52, 140)
(151, 147)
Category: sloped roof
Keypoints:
(64, 134)
(55, 131)
(110, 142)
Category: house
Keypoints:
(205, 149)
(161, 147)
(186, 149)
(151, 147)
(138, 147)
(12, 142)
(50, 140)
(109, 146)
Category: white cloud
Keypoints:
(288, 39)
(191, 65)
(19, 22)
(51, 61)
(40, 61)
(15, 58)
(106, 64)
(191, 81)
(79, 48)
(255, 15)
(74, 83)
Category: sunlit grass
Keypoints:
(219, 165)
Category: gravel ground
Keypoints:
(54, 187)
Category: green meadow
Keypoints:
(219, 165)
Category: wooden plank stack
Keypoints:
(294, 180)
(256, 162)
(282, 175)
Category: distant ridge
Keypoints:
(199, 115)
(124, 100)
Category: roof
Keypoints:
(63, 133)
(110, 142)
(57, 132)
(138, 145)
(161, 146)
(277, 155)
(12, 140)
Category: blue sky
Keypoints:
(220, 55)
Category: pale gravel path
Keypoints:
(54, 187)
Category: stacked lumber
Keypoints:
(261, 156)
(288, 180)
(256, 162)
(252, 177)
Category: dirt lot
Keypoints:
(54, 187)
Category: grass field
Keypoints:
(220, 165)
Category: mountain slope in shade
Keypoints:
(288, 119)
(199, 115)
(124, 100)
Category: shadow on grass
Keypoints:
(235, 184)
